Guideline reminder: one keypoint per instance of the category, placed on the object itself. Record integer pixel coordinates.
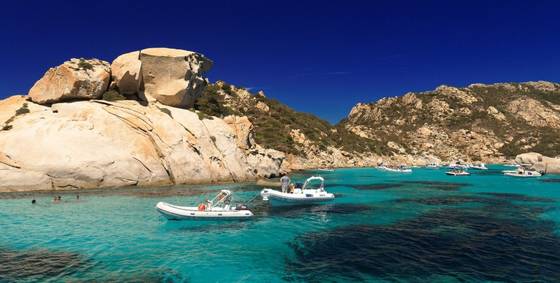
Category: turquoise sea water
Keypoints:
(383, 226)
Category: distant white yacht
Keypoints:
(522, 173)
(457, 172)
(400, 169)
(433, 166)
(479, 166)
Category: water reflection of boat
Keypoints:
(299, 194)
(219, 208)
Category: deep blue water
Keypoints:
(417, 227)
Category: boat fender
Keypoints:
(201, 207)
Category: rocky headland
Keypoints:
(151, 118)
(89, 124)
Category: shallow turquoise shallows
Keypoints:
(423, 226)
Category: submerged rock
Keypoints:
(474, 243)
(73, 80)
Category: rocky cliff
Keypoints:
(77, 129)
(488, 122)
(152, 118)
(308, 141)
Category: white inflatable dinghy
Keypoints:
(299, 195)
(218, 208)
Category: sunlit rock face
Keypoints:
(481, 122)
(73, 80)
(95, 144)
(172, 76)
(540, 162)
(126, 73)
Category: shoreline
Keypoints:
(140, 189)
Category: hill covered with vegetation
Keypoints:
(478, 122)
(282, 128)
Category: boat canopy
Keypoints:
(311, 179)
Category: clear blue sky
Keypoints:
(320, 57)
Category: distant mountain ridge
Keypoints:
(486, 122)
(151, 118)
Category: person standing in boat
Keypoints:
(285, 182)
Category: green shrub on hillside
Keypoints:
(23, 109)
(211, 103)
(83, 64)
(113, 95)
(20, 111)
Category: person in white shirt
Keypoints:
(285, 182)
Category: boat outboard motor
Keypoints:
(241, 207)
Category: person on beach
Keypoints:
(285, 182)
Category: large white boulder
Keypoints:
(173, 76)
(96, 144)
(540, 162)
(73, 80)
(126, 73)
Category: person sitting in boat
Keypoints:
(285, 182)
(292, 188)
(221, 196)
(204, 205)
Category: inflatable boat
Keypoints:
(299, 194)
(457, 172)
(522, 173)
(400, 169)
(218, 208)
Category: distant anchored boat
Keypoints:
(433, 166)
(523, 173)
(400, 169)
(299, 194)
(219, 208)
(479, 166)
(457, 172)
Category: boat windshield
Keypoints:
(313, 183)
(223, 198)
